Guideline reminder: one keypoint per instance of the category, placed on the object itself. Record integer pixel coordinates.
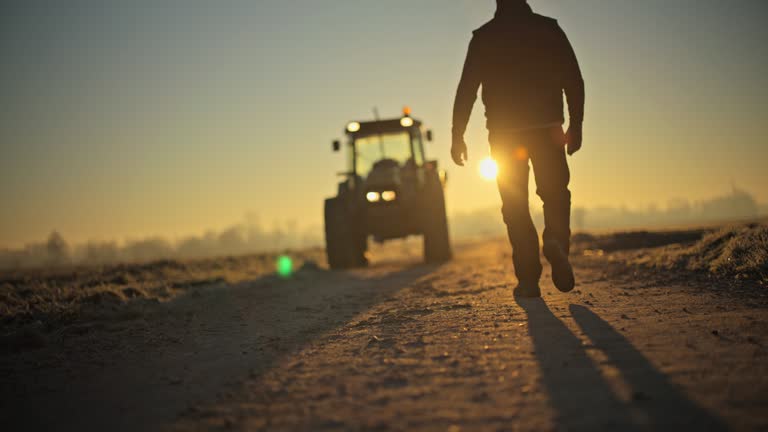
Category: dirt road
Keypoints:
(403, 346)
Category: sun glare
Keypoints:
(489, 169)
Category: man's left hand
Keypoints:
(573, 138)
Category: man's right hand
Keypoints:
(459, 151)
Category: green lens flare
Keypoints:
(284, 266)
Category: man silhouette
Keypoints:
(524, 63)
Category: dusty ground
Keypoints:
(398, 346)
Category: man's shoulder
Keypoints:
(545, 24)
(485, 28)
(545, 20)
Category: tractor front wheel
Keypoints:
(437, 245)
(345, 243)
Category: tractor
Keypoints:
(390, 191)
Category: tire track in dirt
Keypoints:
(140, 374)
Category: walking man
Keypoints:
(524, 63)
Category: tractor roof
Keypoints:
(383, 126)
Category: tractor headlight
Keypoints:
(353, 127)
(406, 122)
(389, 195)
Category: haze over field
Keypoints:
(250, 235)
(139, 119)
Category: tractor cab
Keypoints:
(398, 140)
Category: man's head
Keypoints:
(502, 3)
(510, 6)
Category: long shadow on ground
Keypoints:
(184, 352)
(581, 396)
(657, 404)
(576, 389)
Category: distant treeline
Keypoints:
(736, 205)
(239, 239)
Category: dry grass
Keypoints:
(739, 252)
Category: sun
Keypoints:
(489, 169)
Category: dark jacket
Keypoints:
(524, 62)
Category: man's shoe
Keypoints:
(527, 289)
(562, 272)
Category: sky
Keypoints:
(125, 119)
